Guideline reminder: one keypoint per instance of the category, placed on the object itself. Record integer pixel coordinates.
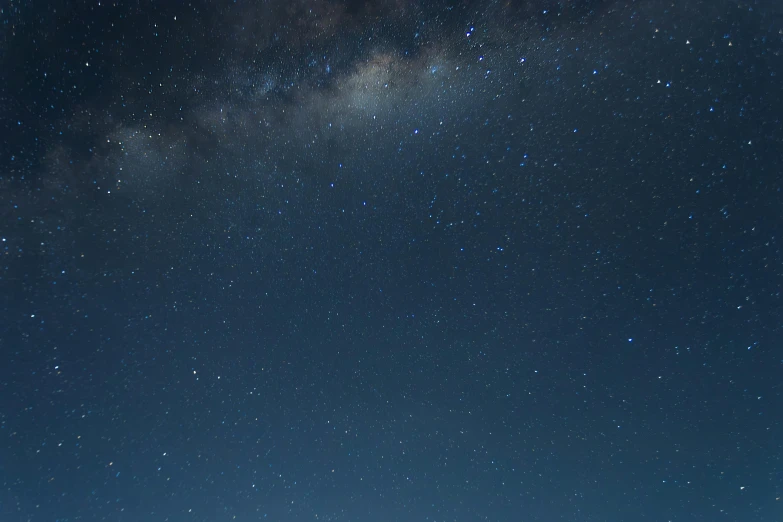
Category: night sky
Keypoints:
(392, 260)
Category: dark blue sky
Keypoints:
(391, 261)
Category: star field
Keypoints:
(391, 261)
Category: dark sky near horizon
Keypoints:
(391, 261)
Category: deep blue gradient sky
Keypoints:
(391, 261)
